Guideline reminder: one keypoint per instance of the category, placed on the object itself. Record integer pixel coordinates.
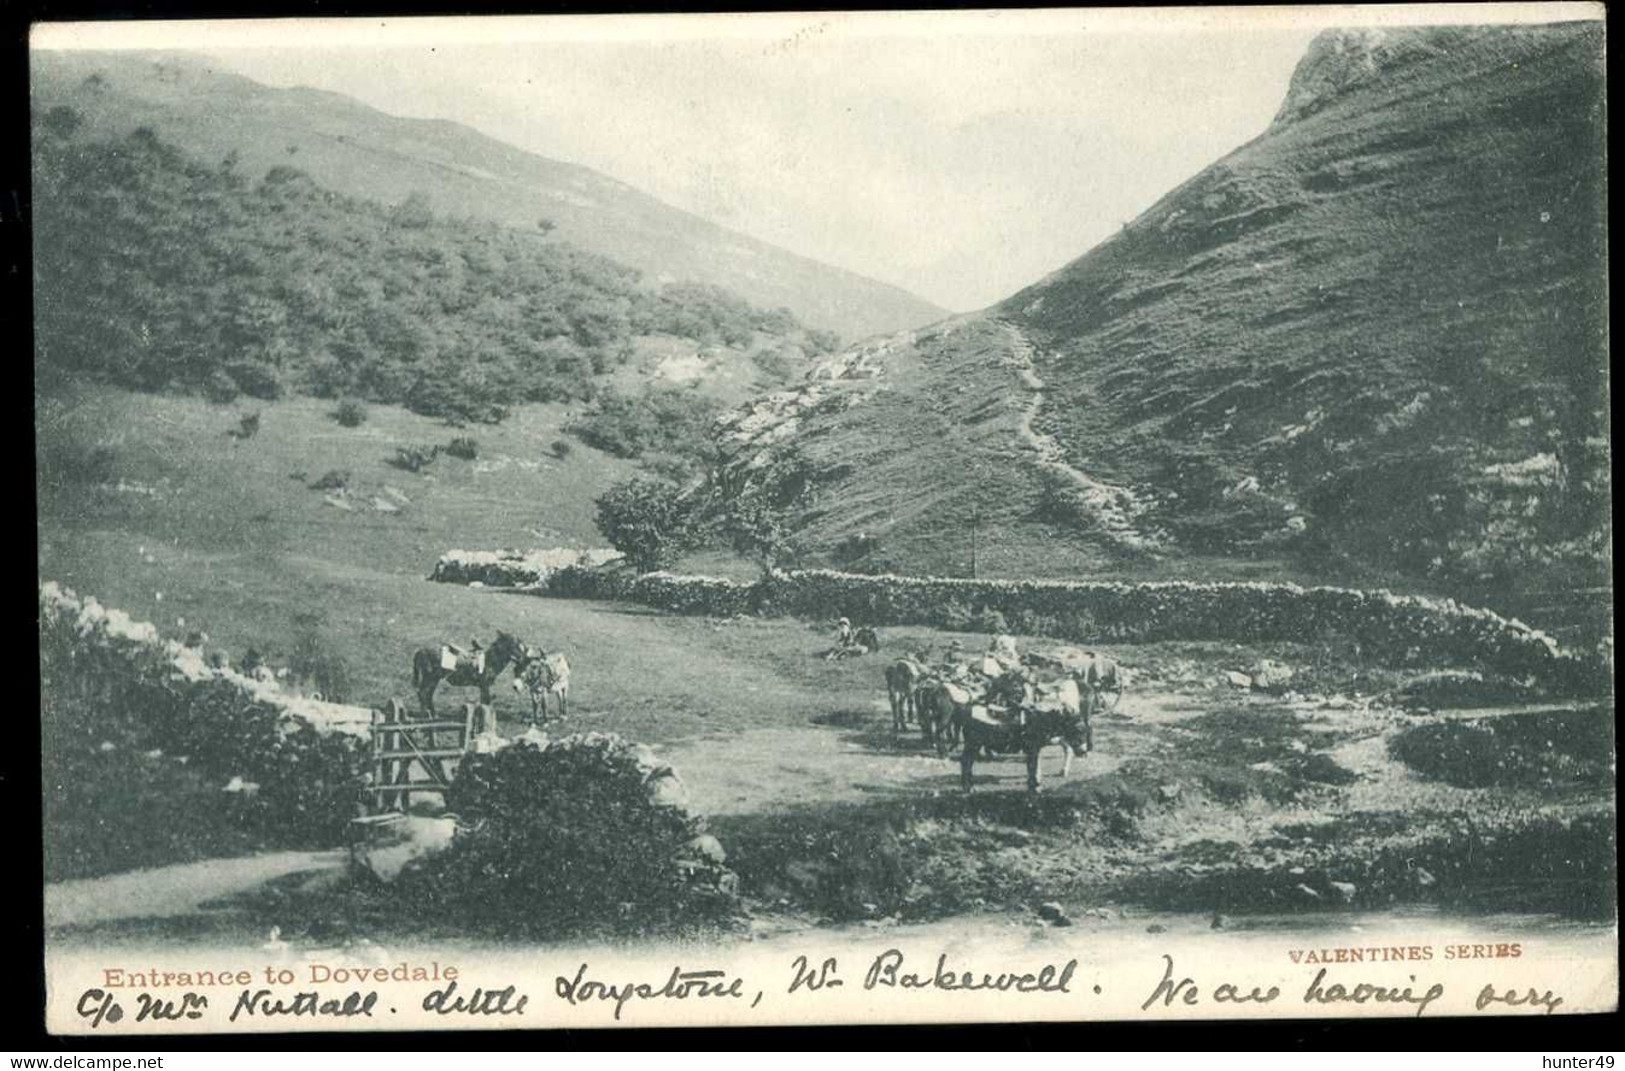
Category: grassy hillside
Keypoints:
(824, 812)
(357, 151)
(1386, 317)
(1370, 345)
(157, 271)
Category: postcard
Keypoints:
(975, 516)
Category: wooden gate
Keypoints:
(418, 756)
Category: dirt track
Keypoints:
(849, 760)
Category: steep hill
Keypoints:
(157, 271)
(359, 151)
(1372, 341)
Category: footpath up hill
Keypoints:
(1369, 345)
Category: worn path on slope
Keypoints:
(1117, 508)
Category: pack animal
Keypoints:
(545, 675)
(429, 668)
(942, 700)
(1026, 727)
(903, 678)
(1100, 683)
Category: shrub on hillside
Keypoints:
(220, 388)
(761, 517)
(257, 379)
(1550, 748)
(332, 480)
(73, 463)
(414, 458)
(679, 469)
(350, 413)
(463, 447)
(203, 281)
(649, 521)
(458, 397)
(853, 547)
(561, 448)
(585, 830)
(777, 365)
(247, 427)
(823, 341)
(659, 419)
(992, 622)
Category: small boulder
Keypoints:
(1272, 676)
(1345, 890)
(665, 789)
(383, 845)
(1051, 911)
(707, 848)
(1306, 892)
(1238, 680)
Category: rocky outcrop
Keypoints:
(1342, 59)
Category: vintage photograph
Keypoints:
(760, 519)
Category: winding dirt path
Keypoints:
(173, 891)
(1117, 508)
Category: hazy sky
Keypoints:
(960, 163)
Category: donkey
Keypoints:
(1028, 729)
(468, 672)
(903, 679)
(545, 675)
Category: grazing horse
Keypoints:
(428, 671)
(903, 678)
(1029, 732)
(545, 675)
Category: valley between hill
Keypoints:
(1198, 798)
(1368, 347)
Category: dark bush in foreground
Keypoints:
(332, 480)
(589, 829)
(1507, 861)
(1556, 748)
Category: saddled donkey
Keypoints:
(942, 701)
(467, 671)
(903, 679)
(1027, 728)
(1096, 679)
(545, 675)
